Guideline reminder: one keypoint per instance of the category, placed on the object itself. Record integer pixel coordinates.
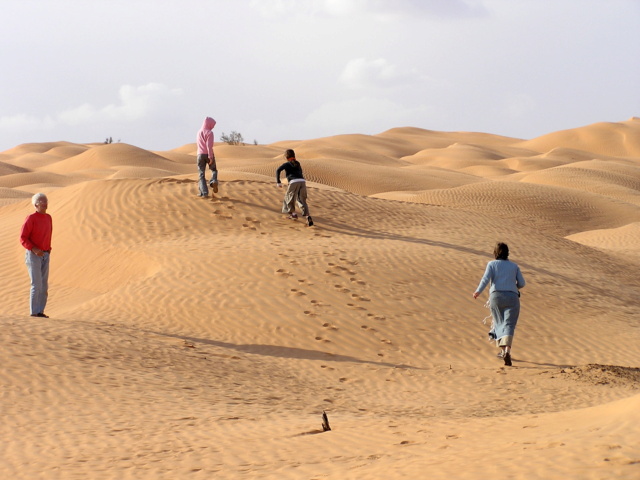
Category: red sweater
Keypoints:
(36, 232)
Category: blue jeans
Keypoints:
(39, 273)
(203, 161)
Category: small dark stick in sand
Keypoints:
(325, 422)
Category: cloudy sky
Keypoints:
(147, 72)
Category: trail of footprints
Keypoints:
(223, 209)
(355, 300)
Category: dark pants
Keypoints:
(203, 161)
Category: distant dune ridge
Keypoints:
(204, 338)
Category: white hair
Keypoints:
(37, 197)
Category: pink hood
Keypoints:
(205, 137)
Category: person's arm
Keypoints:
(484, 281)
(520, 283)
(280, 168)
(25, 234)
(210, 154)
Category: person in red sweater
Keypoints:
(35, 237)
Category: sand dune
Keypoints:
(203, 338)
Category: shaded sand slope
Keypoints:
(203, 338)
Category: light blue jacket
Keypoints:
(504, 276)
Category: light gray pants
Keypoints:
(296, 193)
(505, 310)
(39, 273)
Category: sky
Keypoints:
(147, 72)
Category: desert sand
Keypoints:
(196, 338)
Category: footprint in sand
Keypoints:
(329, 326)
(355, 307)
(355, 296)
(349, 261)
(310, 313)
(220, 214)
(283, 272)
(297, 292)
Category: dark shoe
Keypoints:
(214, 186)
(202, 195)
(507, 359)
(309, 221)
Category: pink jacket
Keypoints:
(205, 138)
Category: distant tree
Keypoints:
(234, 138)
(255, 142)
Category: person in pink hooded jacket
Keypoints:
(204, 141)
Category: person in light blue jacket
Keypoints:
(506, 280)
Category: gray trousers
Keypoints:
(39, 273)
(505, 310)
(296, 193)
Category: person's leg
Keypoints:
(202, 181)
(214, 176)
(44, 292)
(301, 198)
(497, 305)
(34, 266)
(511, 313)
(288, 204)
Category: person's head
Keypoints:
(501, 251)
(40, 201)
(208, 123)
(290, 154)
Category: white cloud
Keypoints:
(136, 103)
(362, 73)
(365, 115)
(140, 113)
(23, 122)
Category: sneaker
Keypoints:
(293, 215)
(500, 354)
(309, 221)
(507, 359)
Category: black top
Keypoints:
(292, 170)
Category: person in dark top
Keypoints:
(296, 189)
